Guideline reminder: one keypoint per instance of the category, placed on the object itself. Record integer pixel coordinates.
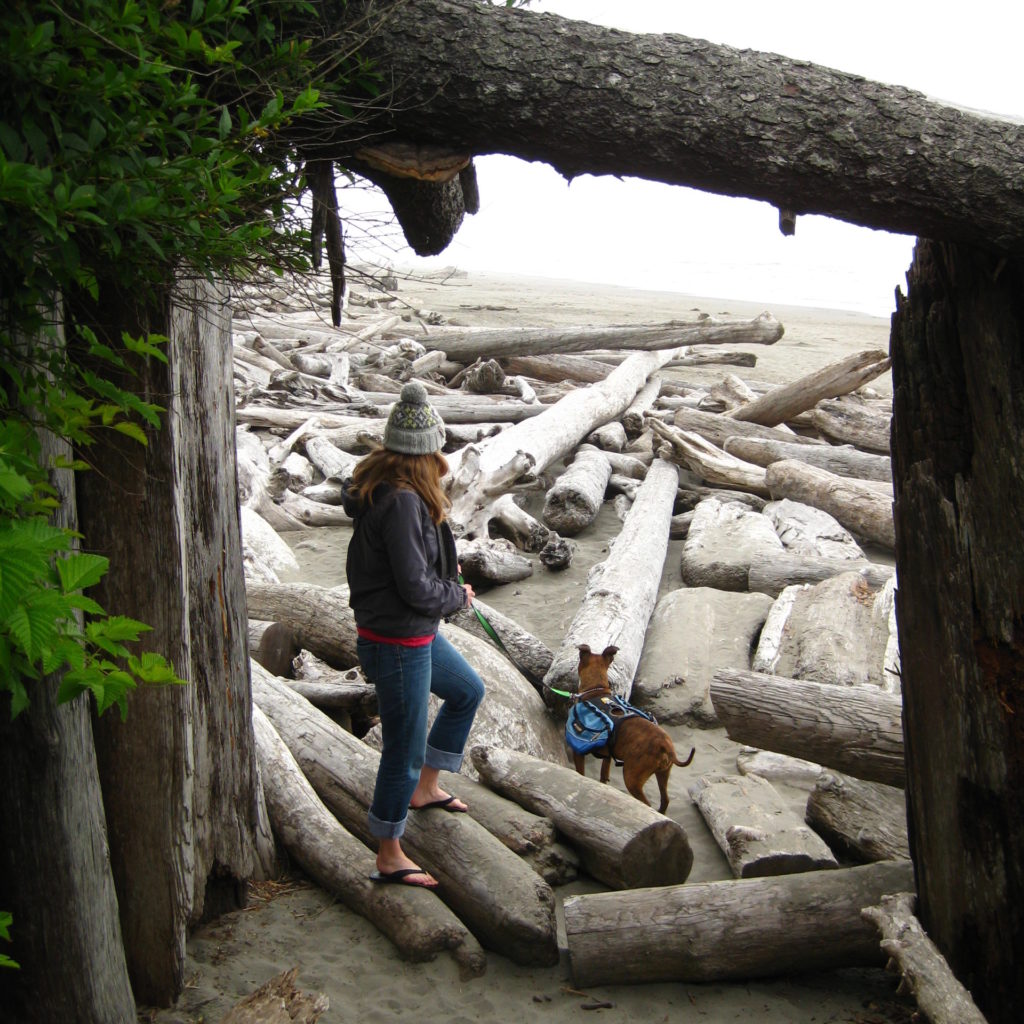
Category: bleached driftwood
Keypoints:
(333, 462)
(783, 403)
(262, 545)
(576, 497)
(755, 828)
(486, 560)
(480, 473)
(771, 573)
(278, 1000)
(465, 344)
(732, 393)
(633, 417)
(623, 589)
(306, 511)
(792, 771)
(709, 462)
(610, 437)
(843, 460)
(319, 617)
(865, 821)
(855, 729)
(851, 422)
(940, 996)
(716, 428)
(415, 920)
(530, 836)
(331, 690)
(621, 842)
(862, 509)
(628, 465)
(556, 368)
(506, 904)
(737, 929)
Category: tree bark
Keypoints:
(736, 122)
(179, 777)
(621, 842)
(855, 729)
(54, 853)
(958, 431)
(730, 931)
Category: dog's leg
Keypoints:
(606, 768)
(581, 763)
(662, 778)
(634, 778)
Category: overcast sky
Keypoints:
(645, 234)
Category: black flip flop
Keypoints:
(399, 878)
(442, 805)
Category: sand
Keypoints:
(292, 923)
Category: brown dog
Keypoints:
(643, 747)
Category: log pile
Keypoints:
(777, 490)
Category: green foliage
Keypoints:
(5, 934)
(141, 141)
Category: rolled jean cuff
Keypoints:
(443, 760)
(386, 829)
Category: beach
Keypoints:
(291, 923)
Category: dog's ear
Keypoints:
(584, 650)
(608, 653)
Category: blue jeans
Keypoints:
(404, 677)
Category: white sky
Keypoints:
(649, 235)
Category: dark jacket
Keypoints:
(402, 569)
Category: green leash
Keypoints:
(489, 630)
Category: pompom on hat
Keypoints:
(414, 427)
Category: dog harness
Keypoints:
(591, 724)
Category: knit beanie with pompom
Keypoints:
(414, 427)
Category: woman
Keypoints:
(403, 579)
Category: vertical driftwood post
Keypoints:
(178, 776)
(958, 432)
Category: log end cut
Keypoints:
(659, 854)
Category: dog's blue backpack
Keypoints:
(591, 724)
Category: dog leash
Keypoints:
(532, 677)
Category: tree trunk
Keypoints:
(865, 821)
(783, 403)
(957, 435)
(842, 460)
(417, 922)
(940, 997)
(623, 590)
(621, 842)
(179, 777)
(756, 829)
(55, 875)
(730, 931)
(464, 344)
(855, 729)
(688, 112)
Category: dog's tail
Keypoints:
(683, 764)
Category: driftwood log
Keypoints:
(850, 422)
(732, 930)
(508, 907)
(862, 509)
(278, 1001)
(755, 828)
(843, 460)
(621, 842)
(855, 729)
(940, 997)
(771, 573)
(415, 920)
(783, 403)
(864, 821)
(623, 589)
(575, 498)
(465, 344)
(717, 428)
(711, 463)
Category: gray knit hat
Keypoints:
(414, 427)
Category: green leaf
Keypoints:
(132, 430)
(79, 571)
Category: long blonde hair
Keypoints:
(419, 473)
